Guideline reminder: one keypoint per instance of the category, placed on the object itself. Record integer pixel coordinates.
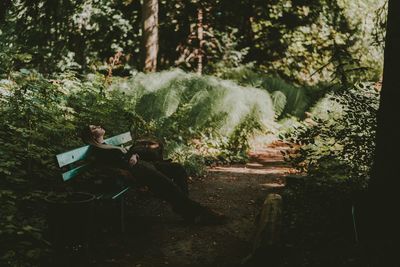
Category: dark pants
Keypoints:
(175, 172)
(169, 182)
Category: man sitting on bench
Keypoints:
(167, 180)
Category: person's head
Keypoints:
(93, 135)
(90, 134)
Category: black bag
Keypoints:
(148, 150)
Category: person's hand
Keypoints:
(133, 160)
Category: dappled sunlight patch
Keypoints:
(244, 170)
(254, 165)
(273, 185)
(266, 156)
(261, 140)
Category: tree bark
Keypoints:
(150, 34)
(200, 37)
(385, 179)
(385, 172)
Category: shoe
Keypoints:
(208, 216)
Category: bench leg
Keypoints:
(122, 213)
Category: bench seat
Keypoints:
(75, 162)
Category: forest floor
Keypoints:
(155, 236)
(316, 228)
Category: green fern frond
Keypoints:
(210, 99)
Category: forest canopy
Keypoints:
(304, 41)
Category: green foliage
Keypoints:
(279, 102)
(39, 119)
(288, 99)
(303, 41)
(33, 117)
(297, 100)
(229, 54)
(209, 146)
(95, 104)
(212, 115)
(338, 140)
(34, 127)
(71, 35)
(244, 75)
(380, 20)
(200, 119)
(238, 145)
(188, 102)
(22, 230)
(40, 114)
(192, 160)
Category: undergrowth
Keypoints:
(288, 99)
(200, 119)
(337, 141)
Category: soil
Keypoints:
(155, 236)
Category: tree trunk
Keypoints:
(150, 34)
(385, 181)
(200, 37)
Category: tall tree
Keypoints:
(385, 180)
(200, 32)
(150, 34)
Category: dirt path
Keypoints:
(157, 237)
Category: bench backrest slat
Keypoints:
(72, 156)
(82, 153)
(74, 172)
(119, 139)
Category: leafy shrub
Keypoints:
(279, 102)
(188, 109)
(238, 143)
(21, 234)
(192, 161)
(229, 53)
(338, 140)
(209, 146)
(298, 99)
(34, 126)
(244, 75)
(206, 96)
(37, 116)
(201, 120)
(95, 104)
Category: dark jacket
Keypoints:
(110, 157)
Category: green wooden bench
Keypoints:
(75, 162)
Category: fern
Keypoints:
(208, 97)
(298, 98)
(297, 101)
(279, 102)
